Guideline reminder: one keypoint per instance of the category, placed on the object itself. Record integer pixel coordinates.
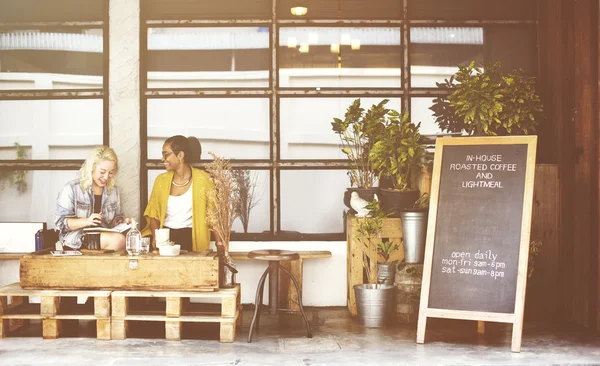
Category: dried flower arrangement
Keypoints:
(246, 183)
(223, 205)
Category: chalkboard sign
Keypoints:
(478, 231)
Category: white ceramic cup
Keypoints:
(162, 235)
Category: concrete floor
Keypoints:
(338, 340)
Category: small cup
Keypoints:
(162, 235)
(145, 248)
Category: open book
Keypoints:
(117, 229)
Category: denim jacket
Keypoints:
(73, 202)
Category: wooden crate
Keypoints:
(176, 313)
(392, 232)
(117, 271)
(50, 311)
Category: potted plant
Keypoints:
(386, 270)
(373, 299)
(222, 210)
(398, 156)
(485, 101)
(358, 131)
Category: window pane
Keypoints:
(235, 128)
(421, 113)
(342, 9)
(436, 53)
(193, 9)
(50, 129)
(37, 203)
(259, 219)
(208, 57)
(340, 57)
(312, 200)
(306, 125)
(51, 59)
(514, 47)
(472, 10)
(19, 11)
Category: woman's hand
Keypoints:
(95, 219)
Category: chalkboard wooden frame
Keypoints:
(515, 317)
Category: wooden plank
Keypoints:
(212, 294)
(4, 324)
(187, 272)
(102, 307)
(312, 254)
(174, 307)
(51, 328)
(15, 289)
(229, 307)
(11, 256)
(227, 332)
(49, 305)
(173, 330)
(3, 304)
(119, 305)
(103, 329)
(118, 329)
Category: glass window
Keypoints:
(208, 57)
(312, 200)
(37, 201)
(50, 129)
(472, 9)
(340, 57)
(69, 58)
(306, 125)
(340, 9)
(436, 52)
(222, 9)
(20, 11)
(259, 218)
(421, 113)
(235, 128)
(514, 47)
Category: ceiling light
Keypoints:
(292, 42)
(335, 47)
(299, 10)
(303, 48)
(355, 44)
(345, 40)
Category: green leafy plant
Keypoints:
(484, 101)
(423, 201)
(358, 131)
(16, 178)
(368, 233)
(385, 249)
(398, 153)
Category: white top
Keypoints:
(179, 211)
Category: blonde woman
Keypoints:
(92, 200)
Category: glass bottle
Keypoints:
(133, 240)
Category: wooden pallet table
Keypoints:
(392, 232)
(179, 310)
(51, 311)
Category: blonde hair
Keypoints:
(99, 154)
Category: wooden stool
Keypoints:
(274, 257)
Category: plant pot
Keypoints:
(395, 201)
(414, 232)
(374, 304)
(366, 194)
(386, 273)
(408, 292)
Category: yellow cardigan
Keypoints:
(159, 198)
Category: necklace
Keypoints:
(181, 185)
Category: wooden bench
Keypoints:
(288, 298)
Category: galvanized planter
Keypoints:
(386, 272)
(414, 231)
(374, 304)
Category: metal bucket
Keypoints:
(414, 231)
(386, 273)
(374, 304)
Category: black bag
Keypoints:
(45, 238)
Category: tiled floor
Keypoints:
(338, 340)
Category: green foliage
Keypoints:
(15, 178)
(386, 248)
(358, 131)
(423, 201)
(484, 101)
(368, 233)
(398, 153)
